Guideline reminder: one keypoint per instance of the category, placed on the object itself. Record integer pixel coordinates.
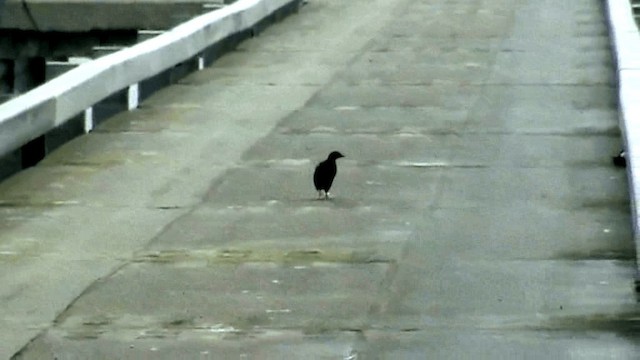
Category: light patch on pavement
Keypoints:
(290, 162)
(410, 133)
(347, 108)
(324, 129)
(353, 355)
(423, 164)
(149, 153)
(56, 185)
(278, 311)
(252, 209)
(221, 329)
(66, 202)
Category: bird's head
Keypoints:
(335, 155)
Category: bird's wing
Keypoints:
(317, 176)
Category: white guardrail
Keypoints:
(625, 42)
(48, 106)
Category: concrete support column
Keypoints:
(201, 63)
(133, 97)
(88, 120)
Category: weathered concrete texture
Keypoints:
(475, 216)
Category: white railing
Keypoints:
(625, 42)
(44, 108)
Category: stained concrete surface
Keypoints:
(476, 214)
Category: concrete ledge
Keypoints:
(49, 106)
(625, 42)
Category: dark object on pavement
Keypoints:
(325, 173)
(620, 160)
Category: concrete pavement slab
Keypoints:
(594, 238)
(268, 345)
(517, 344)
(47, 261)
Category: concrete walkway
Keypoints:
(476, 214)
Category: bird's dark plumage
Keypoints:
(325, 173)
(620, 159)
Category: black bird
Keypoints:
(620, 159)
(325, 173)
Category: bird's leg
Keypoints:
(327, 196)
(321, 195)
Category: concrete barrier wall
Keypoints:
(48, 106)
(625, 42)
